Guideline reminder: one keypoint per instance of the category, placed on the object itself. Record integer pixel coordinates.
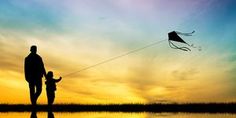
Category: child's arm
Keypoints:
(58, 80)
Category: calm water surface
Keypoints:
(113, 115)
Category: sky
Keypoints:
(74, 34)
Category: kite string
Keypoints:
(114, 58)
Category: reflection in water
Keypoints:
(110, 115)
(50, 114)
(33, 114)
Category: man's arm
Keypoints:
(26, 70)
(43, 68)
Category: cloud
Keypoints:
(11, 58)
(184, 74)
(146, 83)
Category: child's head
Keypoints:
(49, 74)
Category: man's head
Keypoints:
(33, 49)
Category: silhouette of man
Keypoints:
(34, 71)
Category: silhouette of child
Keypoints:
(51, 87)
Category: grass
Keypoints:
(186, 107)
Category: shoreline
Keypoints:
(158, 108)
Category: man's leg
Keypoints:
(38, 90)
(32, 93)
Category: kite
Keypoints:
(174, 37)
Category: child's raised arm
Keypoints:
(58, 80)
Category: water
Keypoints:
(114, 115)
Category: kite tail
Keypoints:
(185, 34)
(172, 45)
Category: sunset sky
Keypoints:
(73, 34)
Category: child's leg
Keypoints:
(53, 96)
(49, 96)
